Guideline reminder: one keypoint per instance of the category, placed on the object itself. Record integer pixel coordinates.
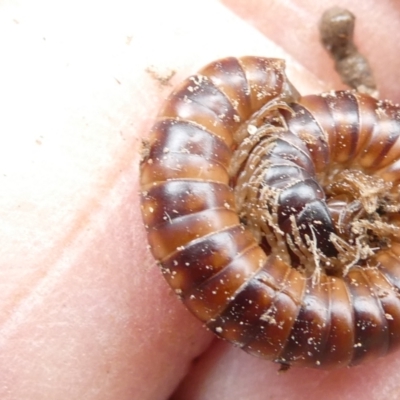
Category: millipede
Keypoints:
(276, 217)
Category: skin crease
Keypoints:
(85, 313)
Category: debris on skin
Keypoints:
(162, 76)
(145, 150)
(336, 30)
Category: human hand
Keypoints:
(85, 313)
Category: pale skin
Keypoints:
(85, 313)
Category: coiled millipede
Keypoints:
(275, 217)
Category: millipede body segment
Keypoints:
(275, 217)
